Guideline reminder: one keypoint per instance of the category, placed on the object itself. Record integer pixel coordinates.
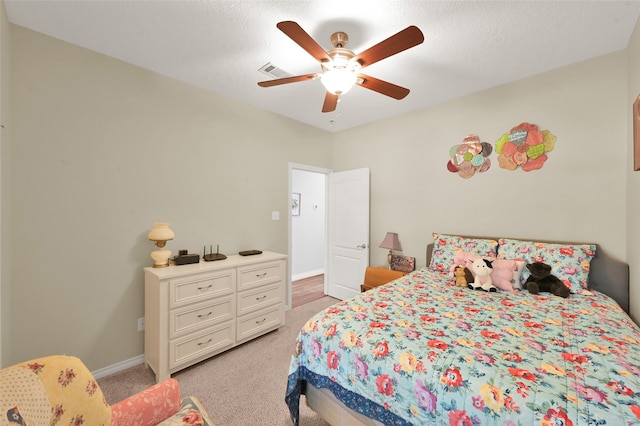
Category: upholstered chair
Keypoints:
(60, 390)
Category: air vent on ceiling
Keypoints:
(273, 71)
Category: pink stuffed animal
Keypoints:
(506, 274)
(464, 259)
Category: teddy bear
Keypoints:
(481, 269)
(463, 276)
(541, 279)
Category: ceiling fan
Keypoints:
(341, 67)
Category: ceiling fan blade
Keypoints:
(300, 36)
(383, 87)
(330, 102)
(285, 80)
(405, 39)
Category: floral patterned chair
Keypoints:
(60, 390)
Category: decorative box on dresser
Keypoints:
(195, 311)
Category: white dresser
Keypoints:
(195, 311)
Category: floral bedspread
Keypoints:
(422, 351)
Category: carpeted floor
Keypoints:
(243, 386)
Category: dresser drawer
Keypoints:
(201, 287)
(260, 321)
(260, 274)
(206, 342)
(261, 297)
(200, 315)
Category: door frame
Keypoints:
(305, 168)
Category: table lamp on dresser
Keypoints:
(160, 234)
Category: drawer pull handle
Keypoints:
(205, 315)
(261, 275)
(205, 288)
(261, 321)
(205, 343)
(261, 298)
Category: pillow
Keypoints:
(569, 262)
(462, 258)
(446, 246)
(506, 274)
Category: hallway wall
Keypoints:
(308, 229)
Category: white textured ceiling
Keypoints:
(220, 45)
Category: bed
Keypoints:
(421, 350)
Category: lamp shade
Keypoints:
(161, 232)
(391, 242)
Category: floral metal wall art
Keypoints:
(524, 146)
(469, 157)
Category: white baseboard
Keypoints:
(307, 274)
(118, 367)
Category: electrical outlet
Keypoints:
(141, 324)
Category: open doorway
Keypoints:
(307, 233)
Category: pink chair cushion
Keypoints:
(148, 407)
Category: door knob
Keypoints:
(362, 246)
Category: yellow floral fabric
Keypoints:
(66, 390)
(22, 396)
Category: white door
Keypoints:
(347, 232)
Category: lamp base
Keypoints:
(161, 258)
(390, 258)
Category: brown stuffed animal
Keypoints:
(462, 275)
(542, 280)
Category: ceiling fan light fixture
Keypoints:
(340, 59)
(341, 67)
(338, 80)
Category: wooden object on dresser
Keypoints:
(377, 276)
(195, 311)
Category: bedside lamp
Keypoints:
(390, 242)
(160, 234)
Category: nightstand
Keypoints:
(377, 276)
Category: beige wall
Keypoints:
(4, 167)
(579, 194)
(633, 178)
(102, 150)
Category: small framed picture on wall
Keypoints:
(295, 204)
(636, 134)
